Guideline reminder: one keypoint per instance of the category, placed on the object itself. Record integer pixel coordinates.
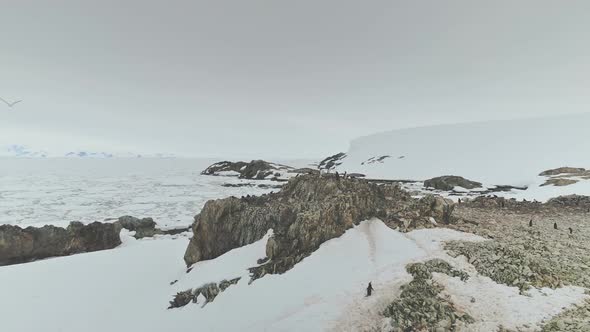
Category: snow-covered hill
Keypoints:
(511, 152)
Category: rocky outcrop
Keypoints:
(208, 291)
(18, 245)
(332, 162)
(372, 160)
(563, 170)
(254, 170)
(249, 184)
(308, 211)
(571, 201)
(449, 182)
(145, 227)
(559, 182)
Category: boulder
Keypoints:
(449, 182)
(145, 227)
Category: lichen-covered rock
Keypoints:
(563, 170)
(576, 319)
(18, 245)
(571, 200)
(559, 182)
(448, 182)
(308, 211)
(419, 306)
(506, 264)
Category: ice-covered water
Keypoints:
(57, 191)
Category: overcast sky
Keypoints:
(279, 78)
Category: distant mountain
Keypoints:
(22, 151)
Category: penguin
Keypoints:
(459, 201)
(531, 223)
(571, 230)
(554, 225)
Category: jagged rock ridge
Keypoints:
(308, 211)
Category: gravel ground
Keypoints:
(522, 255)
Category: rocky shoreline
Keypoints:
(22, 245)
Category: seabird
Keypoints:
(554, 225)
(10, 104)
(531, 223)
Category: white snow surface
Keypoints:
(128, 288)
(511, 152)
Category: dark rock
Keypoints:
(254, 170)
(224, 166)
(181, 299)
(448, 182)
(332, 161)
(19, 245)
(262, 260)
(209, 291)
(373, 160)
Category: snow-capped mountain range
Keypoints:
(23, 151)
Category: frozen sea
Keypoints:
(57, 191)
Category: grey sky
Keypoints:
(280, 78)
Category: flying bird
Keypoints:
(10, 104)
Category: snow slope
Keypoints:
(128, 288)
(500, 152)
(509, 152)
